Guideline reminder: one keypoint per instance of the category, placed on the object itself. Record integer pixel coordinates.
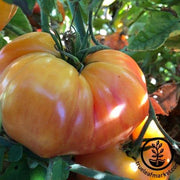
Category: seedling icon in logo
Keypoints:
(157, 156)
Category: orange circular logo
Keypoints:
(157, 154)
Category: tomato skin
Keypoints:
(30, 42)
(7, 12)
(53, 110)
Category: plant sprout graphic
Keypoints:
(157, 151)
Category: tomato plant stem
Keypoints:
(44, 21)
(175, 144)
(77, 168)
(134, 152)
(84, 52)
(139, 140)
(75, 61)
(78, 21)
(91, 29)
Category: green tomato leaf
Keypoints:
(5, 142)
(20, 20)
(18, 25)
(155, 32)
(0, 102)
(77, 168)
(15, 153)
(168, 2)
(2, 43)
(173, 43)
(32, 163)
(83, 5)
(2, 151)
(16, 171)
(48, 6)
(99, 23)
(95, 4)
(57, 169)
(173, 40)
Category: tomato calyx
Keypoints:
(73, 51)
(74, 44)
(65, 55)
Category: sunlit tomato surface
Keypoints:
(29, 43)
(152, 130)
(7, 11)
(52, 109)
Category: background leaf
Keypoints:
(16, 171)
(155, 32)
(2, 151)
(18, 25)
(2, 43)
(15, 153)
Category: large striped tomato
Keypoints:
(7, 11)
(52, 109)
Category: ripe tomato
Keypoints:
(52, 109)
(7, 12)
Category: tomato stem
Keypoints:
(135, 149)
(152, 116)
(78, 21)
(175, 144)
(139, 140)
(44, 20)
(91, 29)
(75, 61)
(134, 152)
(57, 40)
(77, 168)
(84, 52)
